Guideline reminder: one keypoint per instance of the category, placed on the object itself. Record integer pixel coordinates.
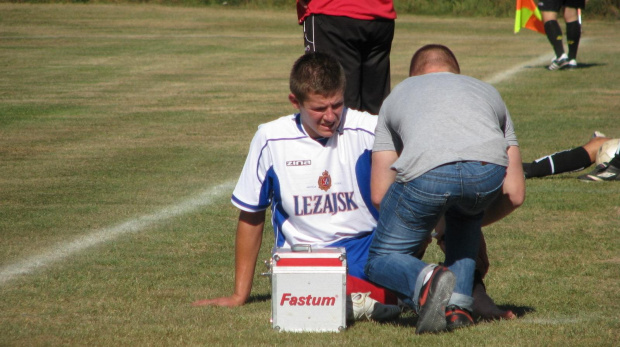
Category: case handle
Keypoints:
(302, 247)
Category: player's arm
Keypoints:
(247, 245)
(381, 175)
(513, 191)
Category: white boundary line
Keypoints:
(96, 237)
(504, 75)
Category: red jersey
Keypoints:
(357, 9)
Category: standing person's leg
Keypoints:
(338, 36)
(573, 29)
(553, 32)
(549, 10)
(375, 71)
(573, 33)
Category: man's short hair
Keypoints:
(317, 73)
(433, 55)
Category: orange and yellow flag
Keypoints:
(528, 16)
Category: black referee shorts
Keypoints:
(556, 5)
(363, 48)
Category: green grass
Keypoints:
(110, 113)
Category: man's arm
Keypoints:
(381, 175)
(247, 245)
(513, 191)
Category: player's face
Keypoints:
(320, 114)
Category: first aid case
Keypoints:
(308, 289)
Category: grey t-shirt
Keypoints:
(439, 118)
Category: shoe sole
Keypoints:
(592, 178)
(432, 316)
(557, 68)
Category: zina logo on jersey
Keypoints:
(326, 203)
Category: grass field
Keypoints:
(123, 129)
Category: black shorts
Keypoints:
(556, 5)
(363, 48)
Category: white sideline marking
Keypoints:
(504, 75)
(66, 249)
(555, 321)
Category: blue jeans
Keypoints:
(409, 212)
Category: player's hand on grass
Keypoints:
(227, 301)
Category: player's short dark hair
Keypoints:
(433, 55)
(318, 73)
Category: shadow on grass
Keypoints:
(258, 298)
(519, 311)
(410, 319)
(579, 66)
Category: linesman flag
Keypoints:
(528, 16)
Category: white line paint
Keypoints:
(544, 60)
(504, 75)
(557, 321)
(63, 250)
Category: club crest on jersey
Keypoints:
(325, 181)
(330, 203)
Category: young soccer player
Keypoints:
(313, 169)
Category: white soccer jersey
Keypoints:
(319, 191)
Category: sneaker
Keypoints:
(457, 317)
(558, 63)
(572, 64)
(602, 172)
(362, 307)
(434, 296)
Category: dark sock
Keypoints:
(554, 35)
(573, 34)
(566, 161)
(478, 279)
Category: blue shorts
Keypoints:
(357, 253)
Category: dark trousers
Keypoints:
(363, 48)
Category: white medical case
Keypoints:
(308, 289)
